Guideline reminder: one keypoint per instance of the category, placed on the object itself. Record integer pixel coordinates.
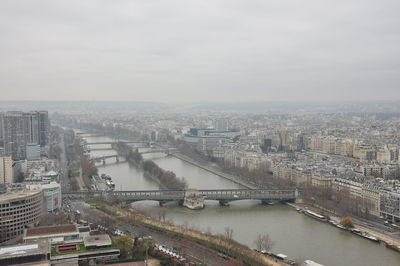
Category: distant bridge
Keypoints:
(116, 156)
(116, 142)
(91, 134)
(222, 195)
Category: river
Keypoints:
(294, 234)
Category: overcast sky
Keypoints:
(204, 50)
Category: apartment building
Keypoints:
(6, 170)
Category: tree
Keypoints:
(141, 246)
(125, 245)
(161, 215)
(228, 233)
(74, 183)
(263, 242)
(347, 222)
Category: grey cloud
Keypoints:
(199, 50)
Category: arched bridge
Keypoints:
(222, 195)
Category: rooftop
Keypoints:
(51, 230)
(84, 229)
(38, 247)
(97, 241)
(17, 194)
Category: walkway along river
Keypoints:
(296, 235)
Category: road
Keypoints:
(64, 180)
(184, 247)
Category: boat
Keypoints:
(310, 263)
(341, 227)
(392, 246)
(315, 215)
(365, 235)
(369, 237)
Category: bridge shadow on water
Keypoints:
(236, 204)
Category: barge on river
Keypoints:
(315, 215)
(392, 246)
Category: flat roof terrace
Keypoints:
(50, 230)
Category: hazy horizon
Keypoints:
(260, 107)
(197, 52)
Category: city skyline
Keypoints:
(224, 51)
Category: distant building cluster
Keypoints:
(351, 152)
(29, 184)
(22, 134)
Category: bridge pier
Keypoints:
(223, 202)
(268, 202)
(192, 198)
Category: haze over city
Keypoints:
(200, 51)
(193, 133)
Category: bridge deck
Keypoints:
(115, 142)
(217, 194)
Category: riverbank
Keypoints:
(357, 225)
(166, 179)
(295, 235)
(220, 244)
(229, 177)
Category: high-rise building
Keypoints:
(32, 151)
(1, 130)
(6, 170)
(20, 129)
(15, 134)
(43, 128)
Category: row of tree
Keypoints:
(166, 178)
(88, 167)
(341, 202)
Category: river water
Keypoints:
(296, 235)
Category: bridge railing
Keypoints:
(235, 194)
(249, 194)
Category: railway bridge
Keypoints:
(224, 196)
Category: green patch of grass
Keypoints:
(55, 253)
(91, 202)
(113, 244)
(74, 172)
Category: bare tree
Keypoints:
(161, 215)
(54, 218)
(228, 232)
(263, 242)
